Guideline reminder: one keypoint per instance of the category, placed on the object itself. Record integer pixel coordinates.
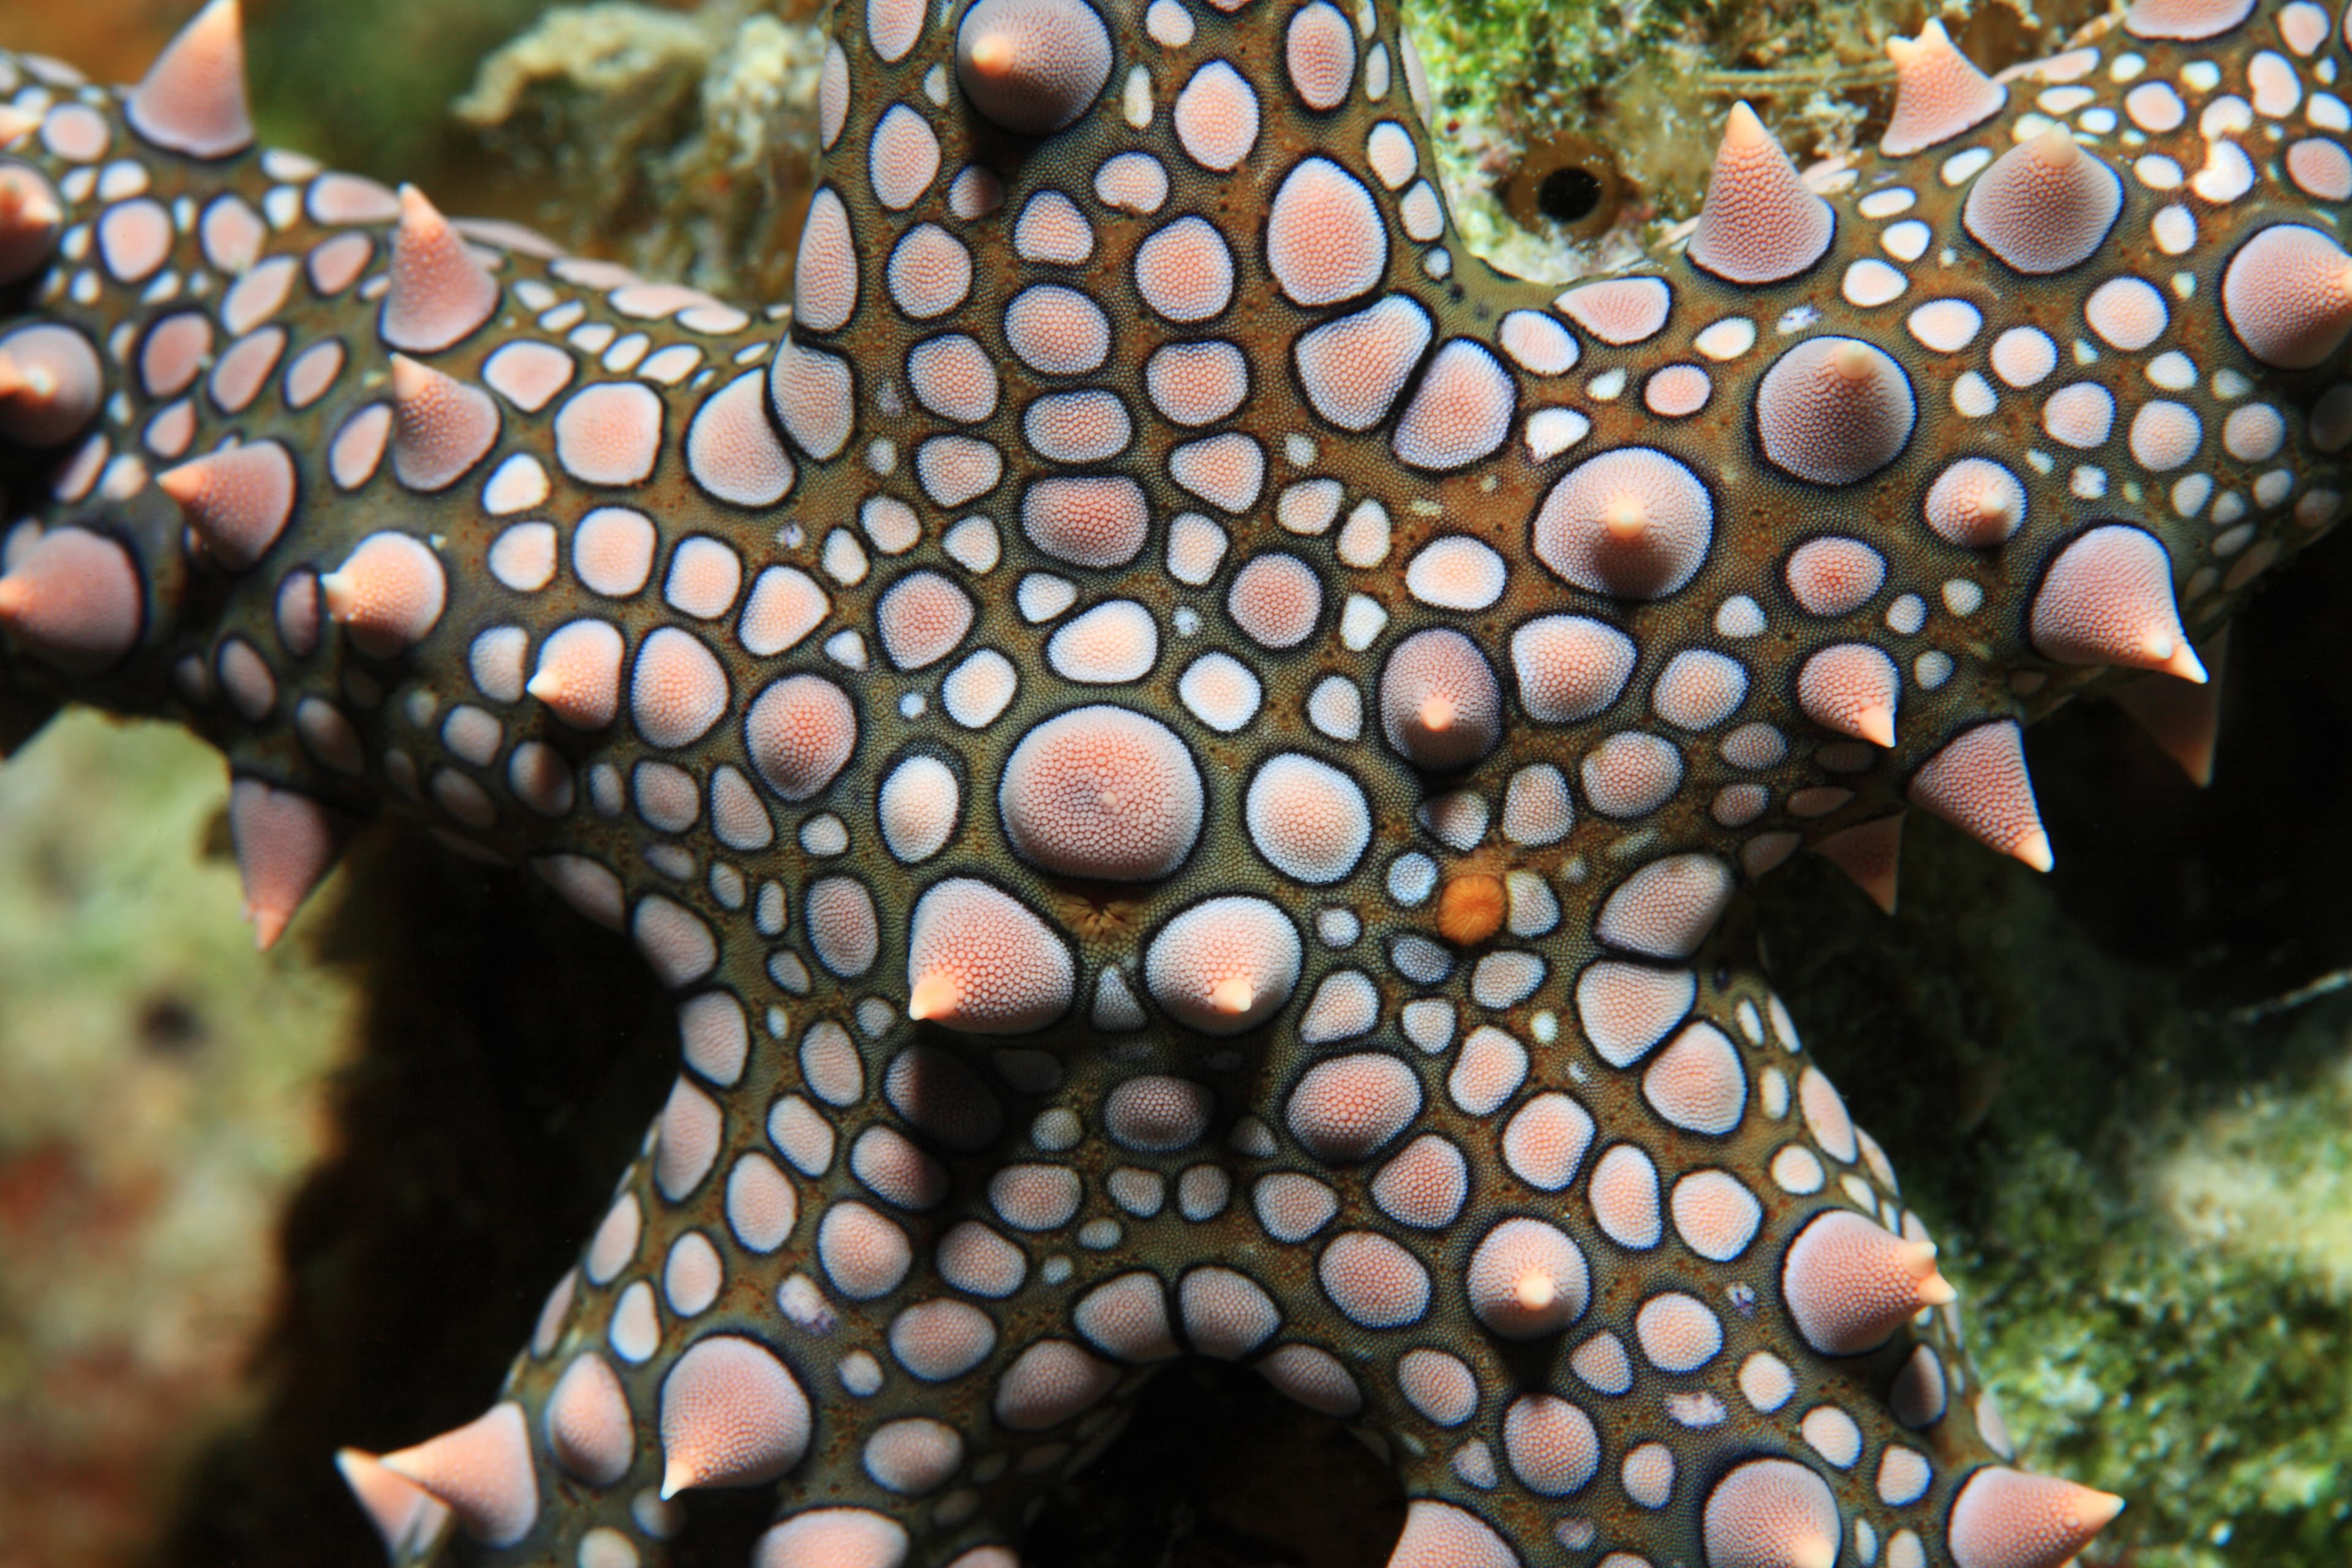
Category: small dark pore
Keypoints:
(1569, 194)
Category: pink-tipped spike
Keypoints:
(2008, 1518)
(2182, 717)
(1761, 222)
(2044, 206)
(1770, 1513)
(50, 383)
(1032, 65)
(483, 1471)
(238, 501)
(579, 673)
(192, 98)
(441, 427)
(731, 1415)
(2287, 295)
(2107, 599)
(73, 599)
(1440, 1535)
(439, 292)
(978, 961)
(1978, 782)
(29, 216)
(405, 1514)
(1869, 853)
(933, 996)
(1850, 1282)
(389, 592)
(286, 843)
(1939, 92)
(1850, 687)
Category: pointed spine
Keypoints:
(2107, 599)
(1770, 1513)
(2044, 206)
(50, 384)
(1849, 1282)
(1870, 854)
(440, 426)
(30, 216)
(2008, 1518)
(1761, 224)
(237, 502)
(405, 1514)
(483, 1471)
(439, 292)
(2287, 295)
(2183, 718)
(390, 591)
(285, 844)
(1939, 92)
(74, 600)
(731, 1415)
(1978, 782)
(193, 98)
(1850, 687)
(579, 673)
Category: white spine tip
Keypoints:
(409, 379)
(31, 207)
(2183, 662)
(934, 996)
(405, 1514)
(2057, 147)
(2035, 850)
(992, 54)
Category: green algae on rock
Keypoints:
(684, 135)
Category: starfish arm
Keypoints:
(891, 1283)
(1593, 1295)
(1451, 461)
(1546, 1325)
(917, 1290)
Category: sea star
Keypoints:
(1183, 745)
